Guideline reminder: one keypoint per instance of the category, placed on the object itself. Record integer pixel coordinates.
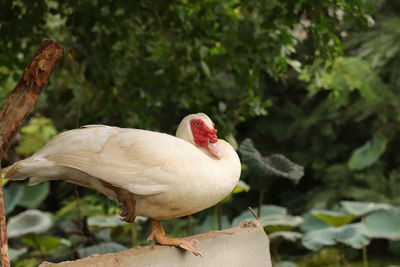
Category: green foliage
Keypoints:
(378, 221)
(35, 134)
(368, 154)
(333, 218)
(353, 235)
(274, 165)
(18, 194)
(311, 80)
(363, 208)
(29, 221)
(384, 224)
(33, 196)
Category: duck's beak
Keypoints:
(214, 149)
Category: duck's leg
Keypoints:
(126, 199)
(158, 235)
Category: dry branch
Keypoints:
(17, 107)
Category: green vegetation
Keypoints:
(315, 81)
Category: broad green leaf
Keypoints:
(280, 166)
(317, 239)
(311, 223)
(384, 224)
(285, 235)
(13, 193)
(266, 210)
(286, 264)
(34, 195)
(106, 221)
(353, 235)
(274, 165)
(87, 205)
(280, 220)
(102, 248)
(333, 218)
(362, 208)
(35, 134)
(369, 153)
(252, 157)
(44, 242)
(16, 253)
(29, 221)
(240, 187)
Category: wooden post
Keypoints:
(17, 107)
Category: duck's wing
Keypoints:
(142, 162)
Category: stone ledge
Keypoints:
(247, 245)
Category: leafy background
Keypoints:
(315, 81)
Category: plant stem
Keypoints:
(365, 256)
(219, 215)
(134, 235)
(261, 197)
(189, 225)
(342, 256)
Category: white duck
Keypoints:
(150, 174)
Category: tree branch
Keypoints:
(17, 107)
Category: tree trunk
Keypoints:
(17, 107)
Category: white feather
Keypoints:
(170, 176)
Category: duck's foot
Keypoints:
(126, 200)
(158, 235)
(128, 203)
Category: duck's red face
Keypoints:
(204, 136)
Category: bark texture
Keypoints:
(17, 107)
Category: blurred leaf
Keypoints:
(333, 218)
(240, 187)
(266, 210)
(286, 264)
(89, 207)
(353, 235)
(34, 195)
(106, 221)
(35, 134)
(205, 68)
(16, 253)
(280, 220)
(369, 153)
(383, 224)
(317, 239)
(44, 242)
(13, 193)
(274, 165)
(363, 208)
(29, 221)
(29, 262)
(102, 248)
(288, 236)
(311, 223)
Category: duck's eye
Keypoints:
(197, 124)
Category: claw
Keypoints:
(187, 244)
